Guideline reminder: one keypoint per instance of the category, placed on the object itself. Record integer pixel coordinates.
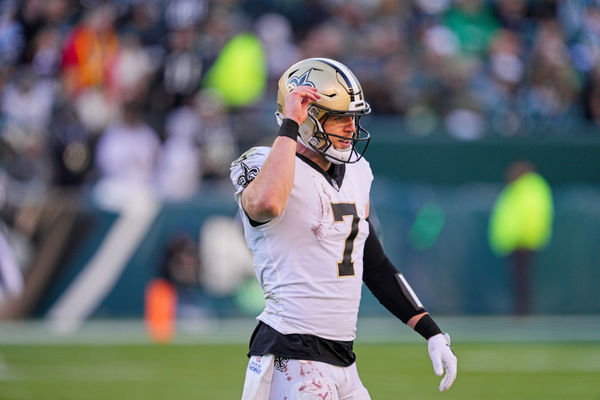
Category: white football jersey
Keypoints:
(309, 260)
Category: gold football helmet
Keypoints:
(341, 95)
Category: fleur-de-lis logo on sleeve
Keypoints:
(247, 176)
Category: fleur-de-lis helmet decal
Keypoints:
(301, 80)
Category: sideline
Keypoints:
(491, 329)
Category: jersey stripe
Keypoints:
(408, 291)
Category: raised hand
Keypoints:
(297, 102)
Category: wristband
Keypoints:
(427, 327)
(289, 128)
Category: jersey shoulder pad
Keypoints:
(245, 168)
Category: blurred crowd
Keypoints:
(96, 89)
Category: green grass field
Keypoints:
(390, 371)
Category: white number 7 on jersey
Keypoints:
(340, 210)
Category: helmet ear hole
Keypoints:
(314, 142)
(314, 111)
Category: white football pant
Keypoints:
(275, 378)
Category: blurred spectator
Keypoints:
(185, 13)
(45, 23)
(216, 136)
(71, 146)
(144, 22)
(239, 74)
(521, 225)
(553, 85)
(581, 23)
(275, 32)
(326, 40)
(131, 70)
(179, 170)
(26, 106)
(126, 152)
(473, 24)
(182, 262)
(96, 109)
(90, 50)
(30, 16)
(183, 65)
(87, 67)
(58, 13)
(46, 52)
(27, 101)
(303, 15)
(12, 35)
(500, 88)
(183, 269)
(512, 15)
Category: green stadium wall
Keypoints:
(453, 271)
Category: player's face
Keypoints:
(340, 126)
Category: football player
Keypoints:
(305, 206)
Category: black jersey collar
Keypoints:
(334, 175)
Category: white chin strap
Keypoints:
(341, 156)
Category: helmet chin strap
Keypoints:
(338, 156)
(327, 157)
(336, 161)
(333, 160)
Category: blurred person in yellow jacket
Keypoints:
(520, 225)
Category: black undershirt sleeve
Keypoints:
(383, 280)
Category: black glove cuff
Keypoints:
(289, 128)
(427, 327)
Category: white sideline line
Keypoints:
(98, 277)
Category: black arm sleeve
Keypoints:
(388, 286)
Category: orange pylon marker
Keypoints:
(160, 312)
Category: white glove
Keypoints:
(442, 358)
